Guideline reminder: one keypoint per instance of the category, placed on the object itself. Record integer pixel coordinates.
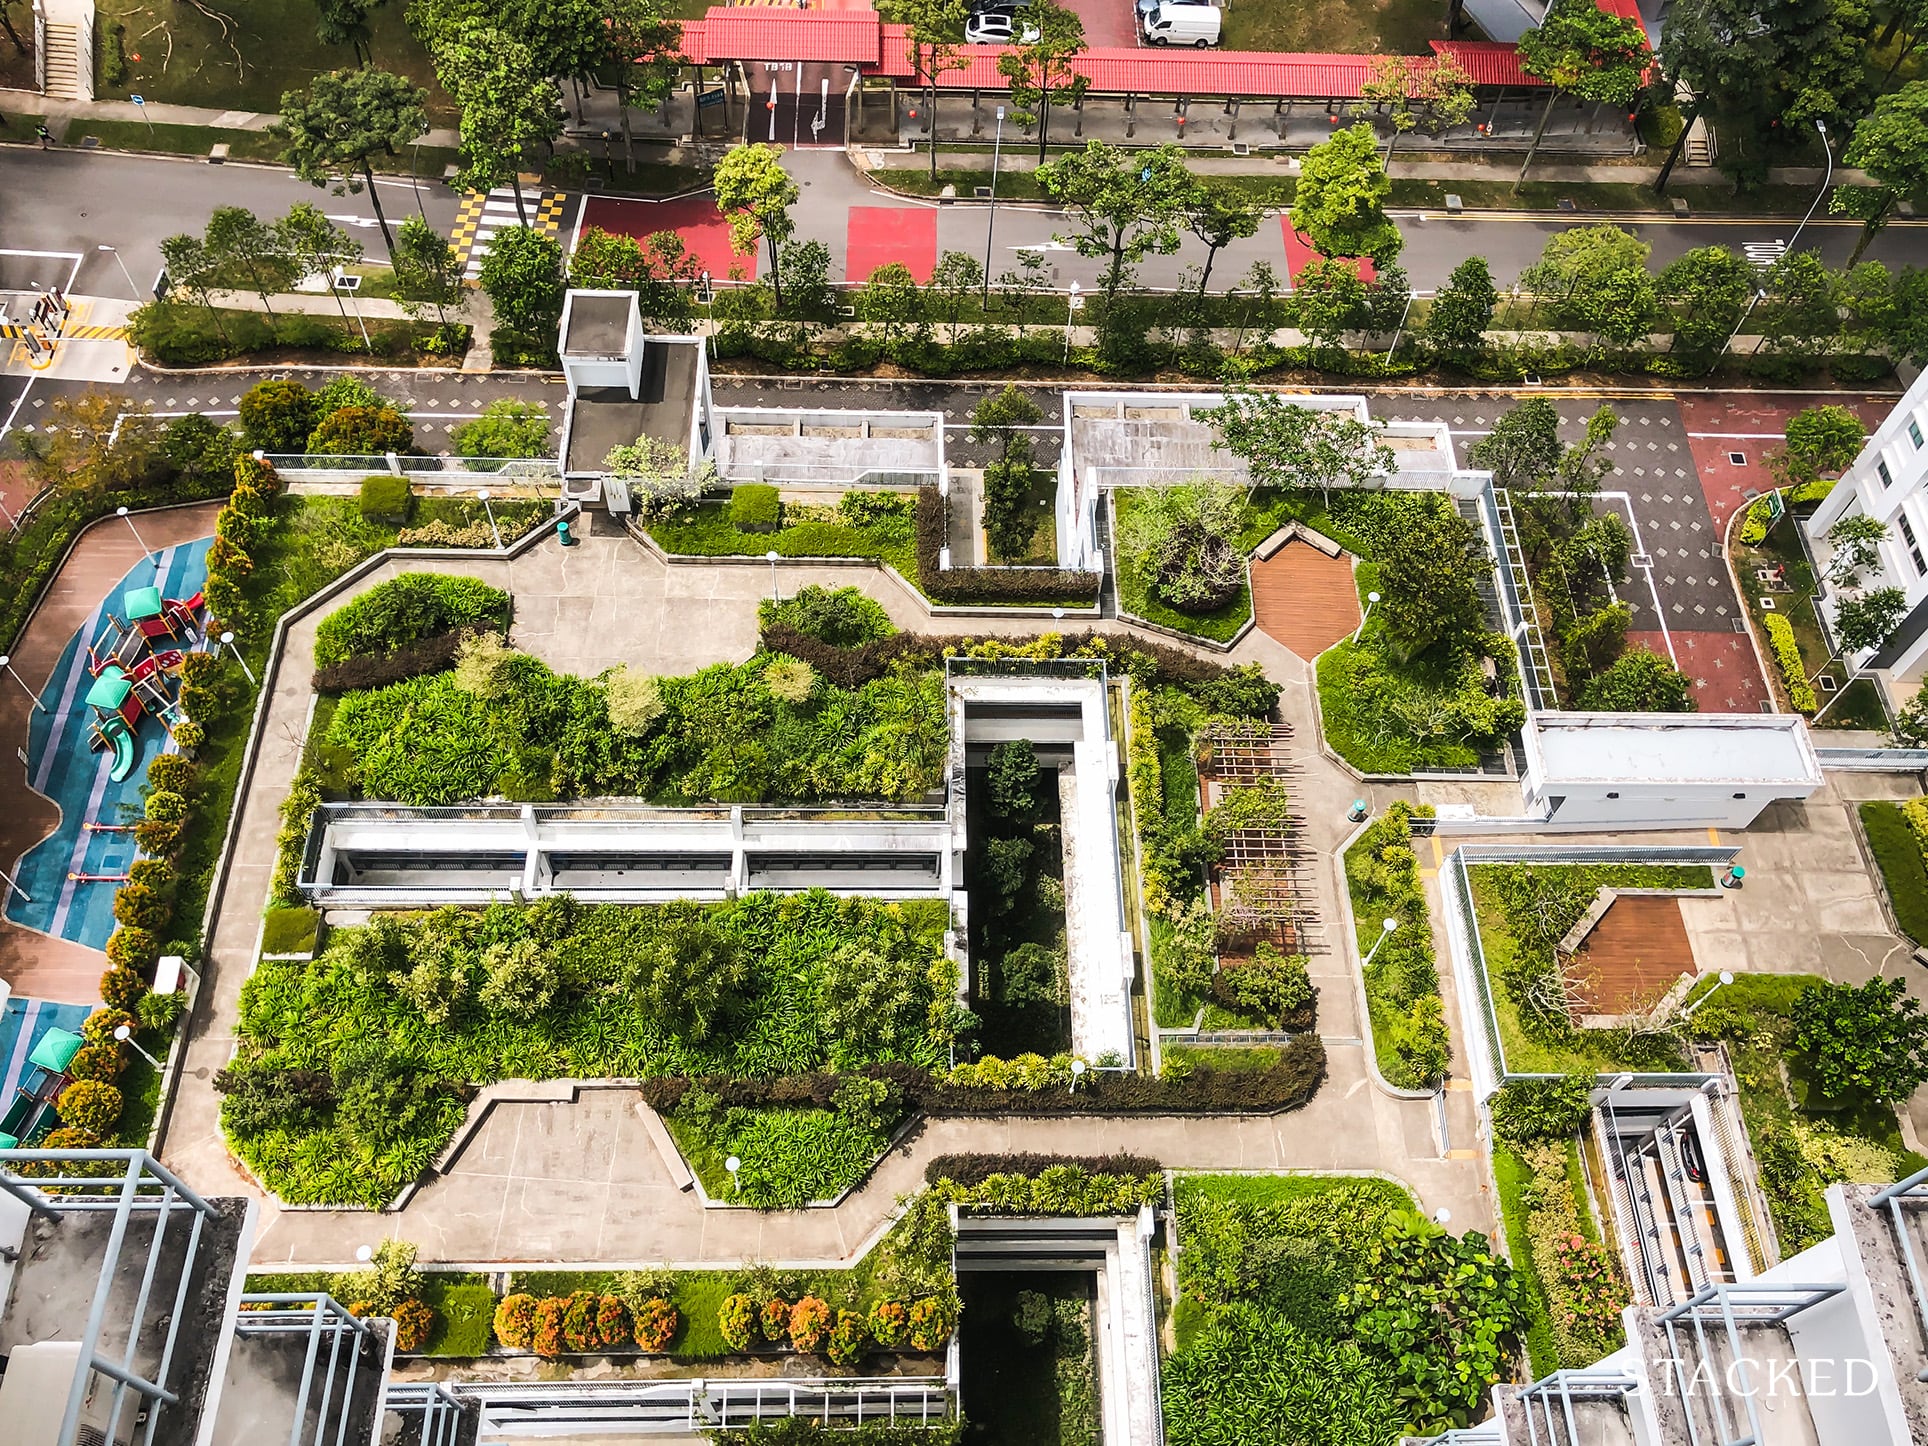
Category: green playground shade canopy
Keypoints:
(8, 1142)
(110, 690)
(56, 1050)
(142, 602)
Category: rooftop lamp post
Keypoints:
(1726, 977)
(482, 496)
(6, 661)
(121, 513)
(776, 594)
(227, 641)
(1372, 601)
(125, 1034)
(1388, 927)
(733, 1164)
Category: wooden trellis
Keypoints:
(1261, 884)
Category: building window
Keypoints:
(1914, 431)
(1881, 469)
(1914, 548)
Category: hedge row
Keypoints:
(1285, 1086)
(964, 585)
(969, 1170)
(434, 654)
(406, 609)
(1152, 663)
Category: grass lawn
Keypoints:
(1861, 708)
(788, 1158)
(243, 57)
(1043, 550)
(1220, 625)
(707, 532)
(1587, 1050)
(1242, 1059)
(1514, 1178)
(1361, 27)
(172, 140)
(1897, 853)
(464, 1305)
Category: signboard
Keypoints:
(1776, 505)
(705, 99)
(138, 99)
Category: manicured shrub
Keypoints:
(848, 1338)
(68, 1138)
(931, 1324)
(101, 1062)
(579, 1321)
(406, 609)
(90, 1105)
(809, 1324)
(164, 807)
(773, 1319)
(169, 773)
(120, 987)
(362, 432)
(99, 1026)
(414, 1321)
(1787, 653)
(546, 1338)
(140, 906)
(515, 1321)
(612, 1323)
(189, 735)
(160, 1012)
(386, 498)
(754, 507)
(656, 1324)
(506, 428)
(973, 1170)
(278, 415)
(156, 838)
(736, 1320)
(889, 1322)
(843, 617)
(377, 670)
(1535, 1111)
(964, 585)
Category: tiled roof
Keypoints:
(766, 32)
(1486, 62)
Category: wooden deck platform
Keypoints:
(1632, 957)
(1304, 599)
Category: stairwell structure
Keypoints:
(67, 54)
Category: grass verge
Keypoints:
(1904, 873)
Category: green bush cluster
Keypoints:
(407, 609)
(386, 498)
(1787, 656)
(185, 336)
(1584, 1290)
(353, 1070)
(841, 617)
(755, 507)
(790, 1157)
(961, 586)
(1402, 986)
(1062, 1189)
(722, 736)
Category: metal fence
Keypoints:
(520, 471)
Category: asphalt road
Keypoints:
(75, 201)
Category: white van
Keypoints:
(1183, 25)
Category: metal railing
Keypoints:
(686, 1407)
(1901, 1197)
(1729, 1308)
(440, 1409)
(318, 1316)
(1563, 1389)
(1873, 760)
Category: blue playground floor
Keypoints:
(22, 1023)
(62, 766)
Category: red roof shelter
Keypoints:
(860, 38)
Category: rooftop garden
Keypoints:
(354, 1071)
(1297, 1297)
(1524, 911)
(1409, 1035)
(1014, 868)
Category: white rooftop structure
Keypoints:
(1663, 770)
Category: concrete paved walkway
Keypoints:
(574, 1182)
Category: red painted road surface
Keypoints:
(1298, 251)
(1727, 678)
(694, 218)
(1747, 425)
(880, 235)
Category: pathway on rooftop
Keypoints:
(558, 1182)
(34, 964)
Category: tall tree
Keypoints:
(191, 271)
(935, 41)
(342, 122)
(1412, 91)
(1706, 289)
(1127, 205)
(1218, 216)
(426, 270)
(317, 246)
(1040, 72)
(1429, 582)
(1463, 310)
(510, 110)
(1523, 448)
(1580, 50)
(345, 22)
(1724, 52)
(755, 195)
(1284, 444)
(1340, 201)
(645, 48)
(238, 241)
(522, 274)
(1891, 144)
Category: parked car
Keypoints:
(998, 27)
(1182, 24)
(1690, 1161)
(1145, 7)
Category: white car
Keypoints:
(998, 27)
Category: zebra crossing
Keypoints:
(482, 214)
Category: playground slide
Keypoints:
(125, 753)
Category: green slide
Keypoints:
(118, 734)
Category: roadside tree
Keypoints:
(1040, 72)
(1340, 201)
(755, 195)
(342, 122)
(1580, 50)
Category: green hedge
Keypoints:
(1898, 854)
(407, 609)
(1787, 654)
(755, 507)
(386, 499)
(1409, 1032)
(965, 585)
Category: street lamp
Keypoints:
(132, 285)
(1826, 180)
(1372, 601)
(1078, 1068)
(990, 220)
(1442, 1216)
(227, 641)
(121, 513)
(1726, 977)
(125, 1034)
(771, 558)
(364, 1253)
(14, 884)
(1387, 928)
(733, 1164)
(1074, 302)
(482, 496)
(6, 661)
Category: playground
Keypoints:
(38, 1042)
(100, 720)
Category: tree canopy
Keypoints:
(1340, 201)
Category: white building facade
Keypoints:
(1889, 482)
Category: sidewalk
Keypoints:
(25, 102)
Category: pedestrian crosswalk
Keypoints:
(483, 214)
